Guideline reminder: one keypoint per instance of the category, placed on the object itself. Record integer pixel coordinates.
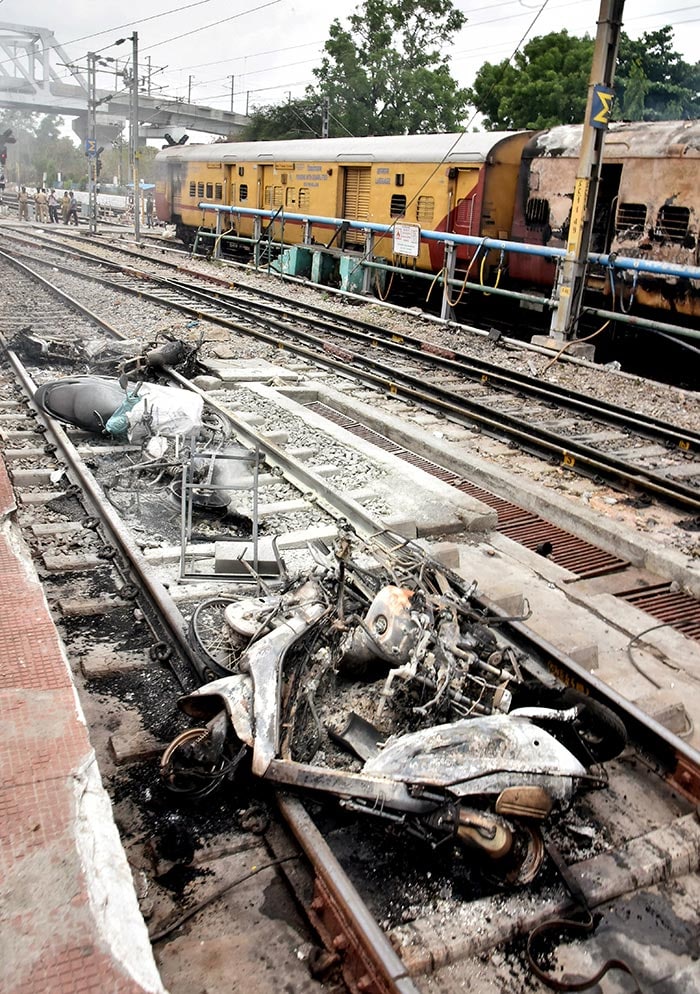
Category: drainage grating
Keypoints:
(524, 527)
(670, 606)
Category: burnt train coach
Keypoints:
(648, 207)
(515, 186)
(453, 182)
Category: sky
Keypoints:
(270, 47)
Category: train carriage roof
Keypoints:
(624, 139)
(466, 147)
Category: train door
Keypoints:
(356, 197)
(606, 207)
(466, 190)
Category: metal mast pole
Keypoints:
(135, 132)
(572, 275)
(91, 150)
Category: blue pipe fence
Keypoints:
(367, 264)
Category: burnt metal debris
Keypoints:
(379, 682)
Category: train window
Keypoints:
(277, 196)
(537, 211)
(283, 179)
(630, 216)
(425, 209)
(241, 170)
(398, 205)
(268, 196)
(218, 191)
(303, 197)
(399, 177)
(291, 198)
(672, 223)
(193, 189)
(243, 192)
(200, 191)
(210, 191)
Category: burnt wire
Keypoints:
(586, 924)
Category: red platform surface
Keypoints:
(69, 919)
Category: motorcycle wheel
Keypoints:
(597, 734)
(216, 645)
(523, 862)
(600, 734)
(186, 769)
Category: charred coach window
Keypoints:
(425, 209)
(537, 212)
(243, 192)
(193, 189)
(630, 217)
(210, 191)
(200, 191)
(398, 205)
(218, 191)
(672, 223)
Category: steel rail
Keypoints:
(574, 455)
(680, 760)
(475, 368)
(385, 971)
(119, 535)
(451, 359)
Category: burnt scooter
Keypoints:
(442, 733)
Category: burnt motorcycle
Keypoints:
(386, 688)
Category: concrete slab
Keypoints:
(232, 371)
(435, 507)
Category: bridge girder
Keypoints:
(35, 85)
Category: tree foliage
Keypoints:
(385, 72)
(39, 151)
(547, 84)
(652, 81)
(295, 119)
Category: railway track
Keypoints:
(639, 453)
(382, 894)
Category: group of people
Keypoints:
(46, 206)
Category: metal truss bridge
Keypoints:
(36, 75)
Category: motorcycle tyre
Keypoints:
(200, 783)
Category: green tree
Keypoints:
(653, 82)
(385, 72)
(39, 151)
(299, 118)
(547, 84)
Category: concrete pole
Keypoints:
(572, 274)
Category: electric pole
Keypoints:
(91, 142)
(135, 132)
(325, 118)
(231, 78)
(572, 274)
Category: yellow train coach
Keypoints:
(452, 182)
